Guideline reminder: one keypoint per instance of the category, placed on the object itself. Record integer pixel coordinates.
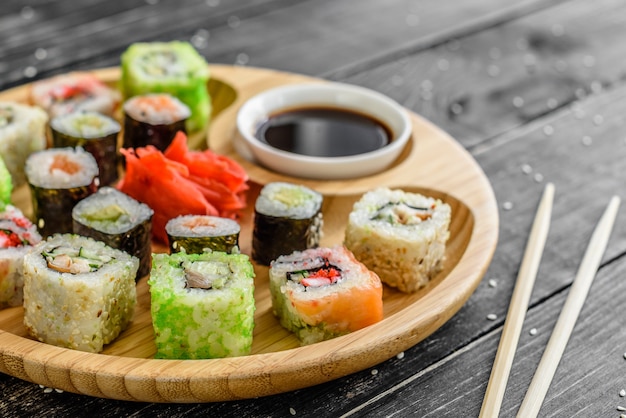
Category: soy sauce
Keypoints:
(324, 132)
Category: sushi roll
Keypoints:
(175, 68)
(202, 305)
(58, 179)
(322, 293)
(196, 233)
(78, 293)
(73, 92)
(401, 236)
(22, 131)
(287, 218)
(153, 119)
(17, 236)
(96, 133)
(119, 221)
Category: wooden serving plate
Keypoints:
(433, 164)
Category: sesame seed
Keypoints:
(533, 331)
(47, 390)
(233, 22)
(621, 408)
(30, 71)
(41, 54)
(374, 372)
(527, 169)
(622, 393)
(492, 317)
(548, 130)
(598, 119)
(538, 177)
(292, 411)
(400, 355)
(625, 355)
(27, 12)
(507, 205)
(493, 282)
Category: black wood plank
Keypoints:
(480, 86)
(309, 37)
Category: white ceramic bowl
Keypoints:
(259, 108)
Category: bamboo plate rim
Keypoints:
(183, 381)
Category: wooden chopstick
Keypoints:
(519, 304)
(569, 314)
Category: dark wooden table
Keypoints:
(534, 90)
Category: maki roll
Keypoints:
(287, 218)
(78, 293)
(72, 92)
(322, 293)
(22, 131)
(202, 305)
(96, 133)
(17, 236)
(153, 119)
(59, 178)
(169, 67)
(119, 221)
(401, 236)
(196, 233)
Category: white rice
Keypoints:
(146, 108)
(40, 172)
(204, 226)
(88, 125)
(132, 212)
(305, 203)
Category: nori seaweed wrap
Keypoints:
(153, 119)
(96, 133)
(175, 68)
(196, 233)
(119, 221)
(58, 179)
(287, 218)
(202, 305)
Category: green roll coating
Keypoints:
(202, 305)
(175, 68)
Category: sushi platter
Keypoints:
(432, 163)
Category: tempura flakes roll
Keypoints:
(202, 305)
(322, 293)
(196, 233)
(287, 217)
(78, 293)
(401, 236)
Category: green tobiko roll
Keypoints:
(175, 68)
(202, 305)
